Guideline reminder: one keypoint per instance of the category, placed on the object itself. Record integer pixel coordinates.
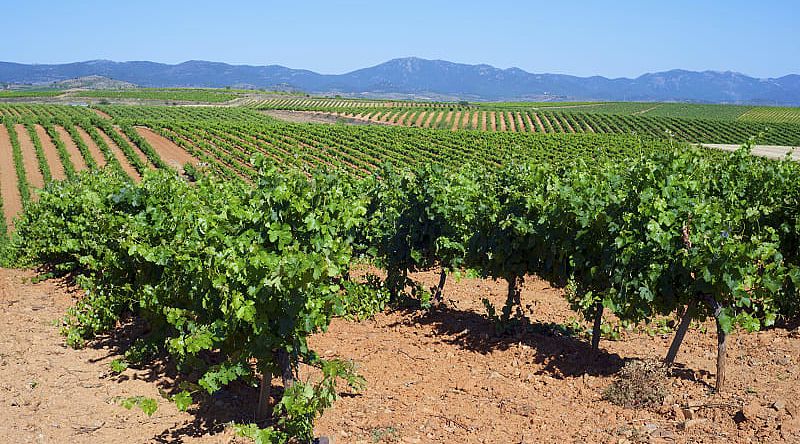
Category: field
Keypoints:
(461, 272)
(73, 139)
(186, 95)
(772, 115)
(687, 123)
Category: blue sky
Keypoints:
(613, 39)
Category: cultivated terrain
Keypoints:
(207, 227)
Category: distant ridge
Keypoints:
(436, 79)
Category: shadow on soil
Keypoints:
(210, 413)
(560, 353)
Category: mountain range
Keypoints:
(433, 79)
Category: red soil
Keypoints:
(509, 120)
(447, 377)
(531, 126)
(448, 119)
(75, 155)
(540, 124)
(439, 116)
(429, 119)
(420, 119)
(456, 121)
(171, 153)
(520, 125)
(136, 149)
(32, 171)
(51, 154)
(501, 117)
(126, 165)
(94, 150)
(432, 377)
(101, 113)
(12, 202)
(402, 119)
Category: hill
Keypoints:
(438, 79)
(93, 82)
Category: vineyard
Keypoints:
(304, 103)
(565, 120)
(187, 95)
(648, 109)
(239, 240)
(772, 115)
(224, 140)
(43, 143)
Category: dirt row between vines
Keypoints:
(51, 154)
(94, 150)
(75, 155)
(29, 160)
(126, 165)
(432, 377)
(170, 153)
(12, 201)
(139, 153)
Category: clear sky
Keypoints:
(609, 38)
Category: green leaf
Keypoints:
(725, 321)
(145, 404)
(118, 365)
(182, 400)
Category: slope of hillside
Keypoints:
(435, 78)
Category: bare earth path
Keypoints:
(75, 155)
(531, 127)
(320, 117)
(171, 153)
(520, 125)
(769, 151)
(510, 124)
(32, 171)
(135, 148)
(539, 124)
(439, 116)
(429, 119)
(420, 119)
(94, 150)
(126, 165)
(51, 154)
(101, 113)
(12, 202)
(456, 121)
(465, 120)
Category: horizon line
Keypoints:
(716, 71)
